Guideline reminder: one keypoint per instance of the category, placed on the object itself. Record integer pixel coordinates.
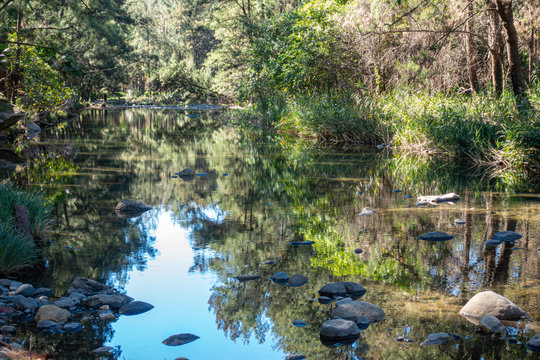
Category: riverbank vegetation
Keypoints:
(24, 218)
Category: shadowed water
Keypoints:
(259, 194)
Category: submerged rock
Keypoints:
(491, 324)
(250, 277)
(299, 323)
(358, 251)
(135, 308)
(297, 280)
(367, 212)
(295, 357)
(280, 277)
(115, 301)
(180, 339)
(343, 289)
(186, 173)
(47, 325)
(459, 222)
(437, 199)
(73, 327)
(534, 343)
(351, 311)
(437, 339)
(105, 350)
(435, 236)
(488, 302)
(507, 236)
(493, 243)
(339, 329)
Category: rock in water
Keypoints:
(115, 301)
(243, 278)
(367, 212)
(534, 343)
(89, 287)
(351, 311)
(180, 339)
(491, 324)
(339, 329)
(435, 236)
(437, 339)
(437, 199)
(9, 114)
(186, 173)
(297, 280)
(280, 277)
(130, 208)
(295, 357)
(492, 243)
(507, 236)
(135, 308)
(25, 290)
(488, 302)
(459, 222)
(299, 323)
(52, 312)
(343, 289)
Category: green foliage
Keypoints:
(43, 86)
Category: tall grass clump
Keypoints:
(18, 250)
(38, 209)
(336, 118)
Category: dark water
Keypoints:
(259, 194)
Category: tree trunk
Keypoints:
(471, 51)
(504, 9)
(532, 53)
(496, 49)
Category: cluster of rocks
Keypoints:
(85, 300)
(350, 316)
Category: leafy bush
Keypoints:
(16, 250)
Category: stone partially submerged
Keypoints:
(436, 236)
(507, 236)
(488, 302)
(339, 330)
(129, 208)
(437, 339)
(179, 339)
(352, 310)
(367, 212)
(343, 289)
(438, 199)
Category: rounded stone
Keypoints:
(280, 277)
(135, 308)
(9, 331)
(25, 290)
(507, 236)
(299, 323)
(52, 312)
(488, 302)
(73, 327)
(64, 303)
(297, 280)
(179, 339)
(491, 324)
(351, 311)
(47, 325)
(534, 342)
(367, 212)
(344, 289)
(339, 329)
(437, 339)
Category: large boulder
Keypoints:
(339, 329)
(488, 302)
(135, 308)
(89, 287)
(53, 313)
(9, 114)
(114, 301)
(352, 310)
(343, 289)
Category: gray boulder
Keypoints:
(14, 285)
(115, 301)
(89, 287)
(534, 342)
(491, 324)
(437, 339)
(64, 303)
(351, 311)
(337, 329)
(52, 312)
(27, 304)
(73, 327)
(488, 302)
(367, 212)
(343, 289)
(47, 325)
(44, 292)
(135, 308)
(9, 114)
(131, 208)
(8, 330)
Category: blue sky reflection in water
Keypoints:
(180, 298)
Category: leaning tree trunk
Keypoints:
(504, 9)
(471, 51)
(496, 49)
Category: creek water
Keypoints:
(254, 195)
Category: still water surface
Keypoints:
(259, 194)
